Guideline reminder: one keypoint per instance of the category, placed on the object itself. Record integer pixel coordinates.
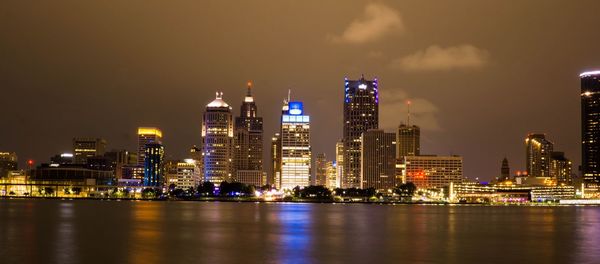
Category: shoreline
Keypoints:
(251, 200)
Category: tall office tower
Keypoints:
(590, 128)
(339, 163)
(153, 164)
(561, 168)
(248, 140)
(217, 141)
(504, 170)
(378, 160)
(361, 113)
(432, 171)
(537, 157)
(147, 135)
(331, 169)
(295, 146)
(182, 174)
(321, 170)
(8, 162)
(84, 148)
(408, 141)
(275, 177)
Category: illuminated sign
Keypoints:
(362, 86)
(295, 108)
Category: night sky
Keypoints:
(480, 74)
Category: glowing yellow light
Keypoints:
(149, 131)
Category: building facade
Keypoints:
(8, 162)
(561, 168)
(84, 148)
(295, 146)
(153, 165)
(432, 171)
(321, 170)
(361, 113)
(217, 141)
(182, 174)
(538, 155)
(504, 170)
(275, 176)
(378, 160)
(147, 135)
(590, 128)
(248, 138)
(408, 141)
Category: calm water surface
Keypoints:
(55, 231)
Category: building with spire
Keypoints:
(217, 141)
(504, 170)
(249, 142)
(361, 113)
(408, 138)
(590, 128)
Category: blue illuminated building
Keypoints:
(295, 146)
(153, 162)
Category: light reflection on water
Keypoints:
(53, 231)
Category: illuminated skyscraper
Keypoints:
(183, 174)
(590, 128)
(320, 170)
(378, 160)
(217, 141)
(84, 148)
(275, 177)
(147, 135)
(295, 146)
(153, 165)
(332, 180)
(361, 113)
(248, 140)
(538, 154)
(339, 163)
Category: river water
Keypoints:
(88, 231)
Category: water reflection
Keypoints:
(65, 246)
(164, 232)
(145, 242)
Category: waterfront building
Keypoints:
(320, 170)
(378, 160)
(538, 151)
(147, 135)
(84, 148)
(590, 128)
(8, 162)
(120, 158)
(153, 165)
(76, 174)
(248, 140)
(561, 168)
(504, 170)
(361, 113)
(339, 163)
(182, 174)
(332, 177)
(131, 175)
(217, 141)
(275, 177)
(432, 171)
(295, 146)
(252, 177)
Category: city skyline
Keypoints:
(495, 96)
